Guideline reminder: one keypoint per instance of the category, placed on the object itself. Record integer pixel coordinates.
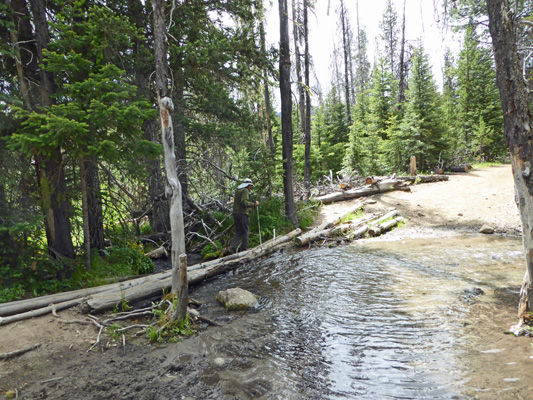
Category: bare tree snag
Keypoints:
(166, 107)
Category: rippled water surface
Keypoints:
(385, 320)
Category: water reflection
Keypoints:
(387, 320)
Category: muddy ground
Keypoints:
(63, 368)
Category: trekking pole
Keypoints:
(259, 225)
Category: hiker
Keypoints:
(241, 219)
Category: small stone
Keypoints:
(486, 229)
(219, 361)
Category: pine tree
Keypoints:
(422, 130)
(478, 98)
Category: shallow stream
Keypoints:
(408, 319)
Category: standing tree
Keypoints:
(48, 157)
(346, 35)
(286, 111)
(166, 108)
(422, 128)
(478, 98)
(307, 124)
(517, 124)
(389, 36)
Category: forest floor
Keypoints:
(63, 368)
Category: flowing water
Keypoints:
(409, 319)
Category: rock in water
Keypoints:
(237, 299)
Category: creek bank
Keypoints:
(181, 370)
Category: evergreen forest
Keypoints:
(83, 191)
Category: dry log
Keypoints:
(315, 232)
(379, 187)
(379, 229)
(157, 253)
(385, 217)
(315, 235)
(424, 178)
(350, 226)
(21, 306)
(371, 180)
(6, 356)
(39, 312)
(460, 168)
(360, 231)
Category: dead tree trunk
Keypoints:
(517, 128)
(166, 107)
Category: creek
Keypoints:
(416, 318)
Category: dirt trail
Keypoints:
(465, 202)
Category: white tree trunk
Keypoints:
(177, 228)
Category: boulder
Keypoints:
(237, 299)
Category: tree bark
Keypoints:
(517, 128)
(181, 311)
(94, 204)
(85, 217)
(286, 112)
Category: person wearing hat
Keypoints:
(241, 219)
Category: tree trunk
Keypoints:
(183, 297)
(286, 112)
(517, 128)
(297, 59)
(346, 51)
(307, 125)
(166, 107)
(85, 217)
(402, 84)
(181, 149)
(50, 172)
(94, 204)
(270, 141)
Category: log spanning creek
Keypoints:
(408, 319)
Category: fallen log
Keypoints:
(40, 311)
(424, 178)
(384, 227)
(154, 287)
(21, 306)
(157, 253)
(460, 168)
(379, 187)
(304, 239)
(333, 231)
(385, 217)
(371, 180)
